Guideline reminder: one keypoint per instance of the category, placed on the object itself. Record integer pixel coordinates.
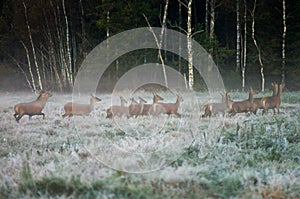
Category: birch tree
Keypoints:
(283, 42)
(68, 45)
(244, 64)
(257, 48)
(32, 48)
(189, 36)
(238, 37)
(212, 19)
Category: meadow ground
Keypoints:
(245, 156)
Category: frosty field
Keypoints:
(245, 156)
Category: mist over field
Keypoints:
(91, 156)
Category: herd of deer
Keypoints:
(250, 105)
(141, 108)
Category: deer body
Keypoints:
(272, 102)
(242, 106)
(32, 108)
(258, 101)
(148, 107)
(72, 108)
(214, 108)
(167, 108)
(116, 110)
(135, 108)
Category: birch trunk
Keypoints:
(29, 67)
(283, 41)
(189, 45)
(245, 47)
(68, 46)
(238, 37)
(161, 40)
(158, 46)
(212, 19)
(258, 49)
(206, 15)
(83, 33)
(179, 45)
(33, 48)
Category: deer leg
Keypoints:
(15, 115)
(19, 117)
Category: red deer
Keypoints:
(80, 109)
(242, 106)
(214, 108)
(272, 102)
(32, 108)
(166, 108)
(118, 110)
(258, 101)
(147, 107)
(135, 108)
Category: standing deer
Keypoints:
(32, 108)
(242, 106)
(258, 101)
(214, 108)
(272, 102)
(116, 110)
(80, 109)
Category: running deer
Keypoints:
(32, 108)
(272, 102)
(80, 109)
(258, 101)
(215, 108)
(135, 108)
(167, 108)
(116, 110)
(242, 106)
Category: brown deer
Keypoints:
(214, 108)
(244, 106)
(147, 107)
(135, 108)
(272, 102)
(32, 108)
(118, 110)
(72, 108)
(258, 101)
(167, 108)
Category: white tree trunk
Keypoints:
(283, 41)
(189, 46)
(33, 48)
(29, 67)
(206, 15)
(159, 50)
(179, 43)
(161, 40)
(238, 37)
(258, 49)
(212, 19)
(68, 46)
(245, 47)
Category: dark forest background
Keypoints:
(43, 42)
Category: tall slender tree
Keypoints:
(283, 41)
(257, 48)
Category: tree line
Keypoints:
(47, 40)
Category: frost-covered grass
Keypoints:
(244, 156)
